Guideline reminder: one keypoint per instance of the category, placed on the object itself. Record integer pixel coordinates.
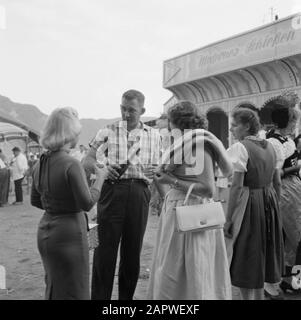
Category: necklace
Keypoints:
(252, 138)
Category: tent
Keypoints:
(32, 134)
(14, 133)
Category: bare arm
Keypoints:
(162, 188)
(89, 160)
(277, 182)
(99, 141)
(290, 170)
(234, 196)
(223, 160)
(235, 193)
(84, 196)
(205, 186)
(35, 197)
(225, 163)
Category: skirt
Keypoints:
(191, 266)
(290, 209)
(258, 253)
(63, 246)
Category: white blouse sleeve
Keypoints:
(279, 150)
(2, 164)
(239, 157)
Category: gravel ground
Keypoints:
(20, 256)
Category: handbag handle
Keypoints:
(188, 193)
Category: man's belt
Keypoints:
(128, 180)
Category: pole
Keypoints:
(272, 14)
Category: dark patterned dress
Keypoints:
(290, 200)
(258, 247)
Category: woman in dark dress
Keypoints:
(285, 117)
(253, 228)
(60, 188)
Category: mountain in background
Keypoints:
(35, 119)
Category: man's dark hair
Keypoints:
(134, 94)
(16, 149)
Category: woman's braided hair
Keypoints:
(245, 116)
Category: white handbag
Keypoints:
(199, 217)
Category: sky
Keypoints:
(86, 53)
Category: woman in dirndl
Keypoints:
(253, 229)
(190, 265)
(285, 116)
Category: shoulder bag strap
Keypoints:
(188, 193)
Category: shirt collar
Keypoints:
(141, 125)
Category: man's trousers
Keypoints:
(122, 214)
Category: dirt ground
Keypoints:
(20, 257)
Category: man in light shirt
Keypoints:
(18, 167)
(124, 201)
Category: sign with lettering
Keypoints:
(267, 43)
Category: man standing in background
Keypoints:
(18, 167)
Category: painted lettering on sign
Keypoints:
(256, 44)
(270, 41)
(267, 43)
(218, 57)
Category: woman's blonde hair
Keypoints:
(62, 127)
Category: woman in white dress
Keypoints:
(193, 265)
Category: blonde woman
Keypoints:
(60, 188)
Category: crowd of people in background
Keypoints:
(124, 173)
(16, 171)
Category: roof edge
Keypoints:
(234, 36)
